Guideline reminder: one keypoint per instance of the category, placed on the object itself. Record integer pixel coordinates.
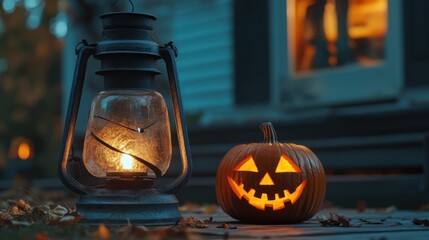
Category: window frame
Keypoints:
(331, 87)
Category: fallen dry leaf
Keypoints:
(335, 221)
(424, 222)
(14, 210)
(66, 220)
(192, 222)
(6, 216)
(60, 210)
(43, 236)
(102, 232)
(20, 223)
(227, 226)
(21, 204)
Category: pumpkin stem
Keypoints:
(270, 135)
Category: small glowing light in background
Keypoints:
(59, 25)
(34, 18)
(21, 148)
(31, 4)
(9, 6)
(24, 151)
(126, 162)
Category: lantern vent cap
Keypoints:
(128, 20)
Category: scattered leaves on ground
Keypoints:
(340, 221)
(40, 216)
(424, 222)
(192, 222)
(21, 213)
(335, 220)
(40, 219)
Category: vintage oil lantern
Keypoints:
(270, 182)
(127, 144)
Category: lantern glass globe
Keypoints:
(128, 130)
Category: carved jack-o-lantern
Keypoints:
(270, 182)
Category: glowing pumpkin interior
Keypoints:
(285, 165)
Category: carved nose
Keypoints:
(266, 180)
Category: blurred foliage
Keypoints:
(30, 87)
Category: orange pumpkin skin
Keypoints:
(289, 175)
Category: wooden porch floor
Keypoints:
(371, 225)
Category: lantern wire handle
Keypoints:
(116, 1)
(168, 53)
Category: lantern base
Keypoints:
(149, 210)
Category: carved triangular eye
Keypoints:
(247, 165)
(287, 165)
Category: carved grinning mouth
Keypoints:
(262, 202)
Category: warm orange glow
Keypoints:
(266, 180)
(349, 30)
(24, 151)
(126, 162)
(367, 18)
(302, 33)
(330, 25)
(297, 193)
(261, 203)
(247, 165)
(287, 165)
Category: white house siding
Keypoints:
(202, 30)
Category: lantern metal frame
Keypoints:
(145, 205)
